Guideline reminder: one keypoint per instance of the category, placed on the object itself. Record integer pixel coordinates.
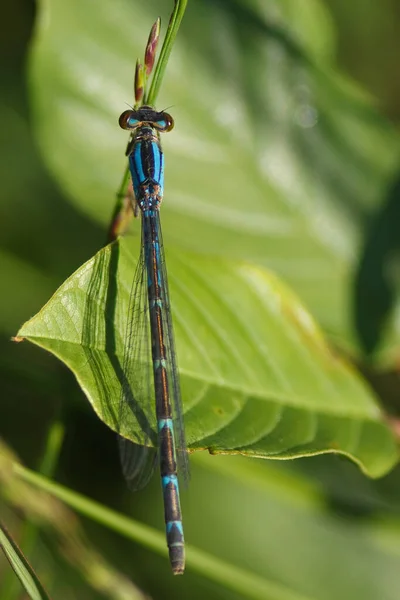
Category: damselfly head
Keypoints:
(145, 115)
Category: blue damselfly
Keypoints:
(150, 359)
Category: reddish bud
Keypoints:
(150, 53)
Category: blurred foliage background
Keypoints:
(316, 526)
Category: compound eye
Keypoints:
(164, 123)
(129, 120)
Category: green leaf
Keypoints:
(275, 158)
(257, 377)
(21, 567)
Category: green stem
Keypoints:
(173, 26)
(29, 533)
(21, 567)
(241, 581)
(51, 455)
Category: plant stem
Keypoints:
(173, 26)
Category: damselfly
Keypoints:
(150, 341)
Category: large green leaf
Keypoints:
(257, 376)
(274, 157)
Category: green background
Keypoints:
(315, 526)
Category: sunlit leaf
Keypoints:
(257, 377)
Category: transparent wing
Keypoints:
(172, 371)
(137, 462)
(137, 388)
